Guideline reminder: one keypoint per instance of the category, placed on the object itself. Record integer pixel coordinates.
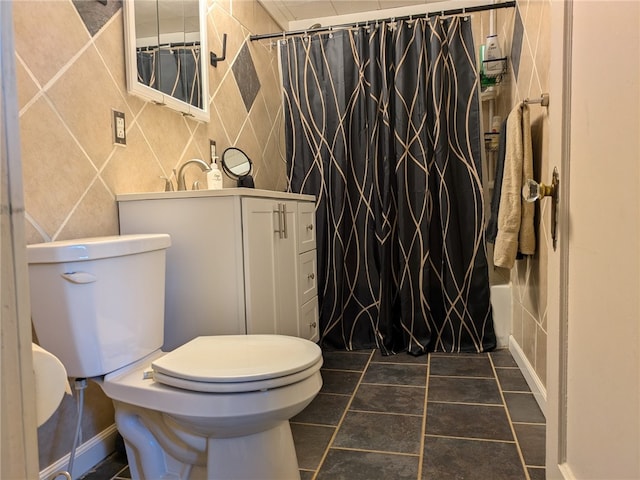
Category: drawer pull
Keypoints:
(311, 276)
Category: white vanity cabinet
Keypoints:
(241, 260)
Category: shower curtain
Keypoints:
(382, 125)
(172, 70)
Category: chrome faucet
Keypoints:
(202, 164)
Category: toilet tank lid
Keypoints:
(82, 249)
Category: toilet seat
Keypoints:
(238, 363)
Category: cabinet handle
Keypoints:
(284, 220)
(310, 227)
(313, 325)
(311, 276)
(279, 213)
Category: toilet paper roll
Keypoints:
(51, 382)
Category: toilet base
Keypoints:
(158, 447)
(268, 455)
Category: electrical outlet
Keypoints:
(119, 128)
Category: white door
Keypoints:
(593, 387)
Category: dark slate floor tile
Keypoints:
(503, 358)
(307, 474)
(380, 432)
(532, 443)
(464, 390)
(356, 465)
(341, 360)
(403, 357)
(108, 468)
(394, 374)
(325, 409)
(124, 474)
(512, 380)
(468, 421)
(454, 458)
(523, 408)
(311, 441)
(389, 399)
(537, 473)
(461, 366)
(339, 381)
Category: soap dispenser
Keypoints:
(214, 176)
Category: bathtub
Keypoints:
(501, 305)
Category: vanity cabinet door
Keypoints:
(270, 265)
(306, 226)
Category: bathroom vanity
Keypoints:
(241, 260)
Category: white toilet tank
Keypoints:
(98, 303)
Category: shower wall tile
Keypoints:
(70, 76)
(516, 42)
(528, 78)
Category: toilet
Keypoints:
(217, 407)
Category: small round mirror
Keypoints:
(235, 163)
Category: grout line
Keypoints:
(385, 452)
(469, 403)
(490, 440)
(513, 430)
(423, 431)
(388, 413)
(465, 377)
(344, 414)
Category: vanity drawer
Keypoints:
(309, 320)
(306, 226)
(307, 277)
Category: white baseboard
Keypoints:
(88, 455)
(537, 388)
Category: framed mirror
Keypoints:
(166, 53)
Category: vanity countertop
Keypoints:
(225, 192)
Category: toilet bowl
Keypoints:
(216, 407)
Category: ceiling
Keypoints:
(301, 14)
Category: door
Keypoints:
(270, 266)
(593, 387)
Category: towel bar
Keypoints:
(543, 100)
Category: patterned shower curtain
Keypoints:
(172, 70)
(382, 124)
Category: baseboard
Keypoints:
(537, 388)
(88, 455)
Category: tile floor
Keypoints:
(435, 417)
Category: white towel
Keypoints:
(515, 216)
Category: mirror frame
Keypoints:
(151, 94)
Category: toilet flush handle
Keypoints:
(79, 277)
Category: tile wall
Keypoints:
(71, 74)
(525, 38)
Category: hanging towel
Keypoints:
(515, 216)
(492, 224)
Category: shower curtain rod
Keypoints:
(456, 11)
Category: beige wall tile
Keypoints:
(85, 96)
(95, 215)
(166, 133)
(27, 89)
(40, 42)
(134, 168)
(55, 171)
(230, 107)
